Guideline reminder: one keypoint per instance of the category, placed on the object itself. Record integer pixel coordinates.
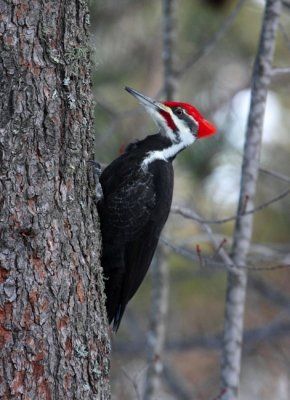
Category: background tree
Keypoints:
(237, 280)
(53, 333)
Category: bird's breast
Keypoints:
(162, 172)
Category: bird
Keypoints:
(137, 190)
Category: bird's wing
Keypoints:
(138, 257)
(133, 211)
(125, 213)
(126, 210)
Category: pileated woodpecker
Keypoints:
(137, 193)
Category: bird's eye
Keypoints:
(179, 112)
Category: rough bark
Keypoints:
(53, 335)
(236, 290)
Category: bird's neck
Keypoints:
(166, 154)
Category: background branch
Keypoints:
(189, 213)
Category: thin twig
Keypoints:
(133, 381)
(190, 214)
(210, 262)
(273, 329)
(269, 268)
(191, 255)
(285, 35)
(222, 392)
(177, 384)
(280, 71)
(221, 251)
(275, 174)
(272, 293)
(221, 245)
(267, 252)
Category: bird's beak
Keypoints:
(206, 128)
(155, 108)
(146, 101)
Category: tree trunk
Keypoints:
(53, 330)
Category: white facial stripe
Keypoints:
(181, 138)
(167, 153)
(185, 133)
(162, 123)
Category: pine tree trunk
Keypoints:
(53, 332)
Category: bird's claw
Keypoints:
(97, 172)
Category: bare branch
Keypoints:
(209, 262)
(276, 328)
(219, 396)
(177, 384)
(273, 267)
(133, 381)
(262, 252)
(190, 214)
(270, 292)
(220, 250)
(285, 35)
(280, 71)
(286, 4)
(275, 174)
(193, 256)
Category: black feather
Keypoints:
(133, 211)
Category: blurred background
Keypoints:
(212, 47)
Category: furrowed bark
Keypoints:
(54, 341)
(237, 282)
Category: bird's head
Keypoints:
(180, 122)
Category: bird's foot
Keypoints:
(97, 172)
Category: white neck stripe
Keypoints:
(165, 154)
(182, 138)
